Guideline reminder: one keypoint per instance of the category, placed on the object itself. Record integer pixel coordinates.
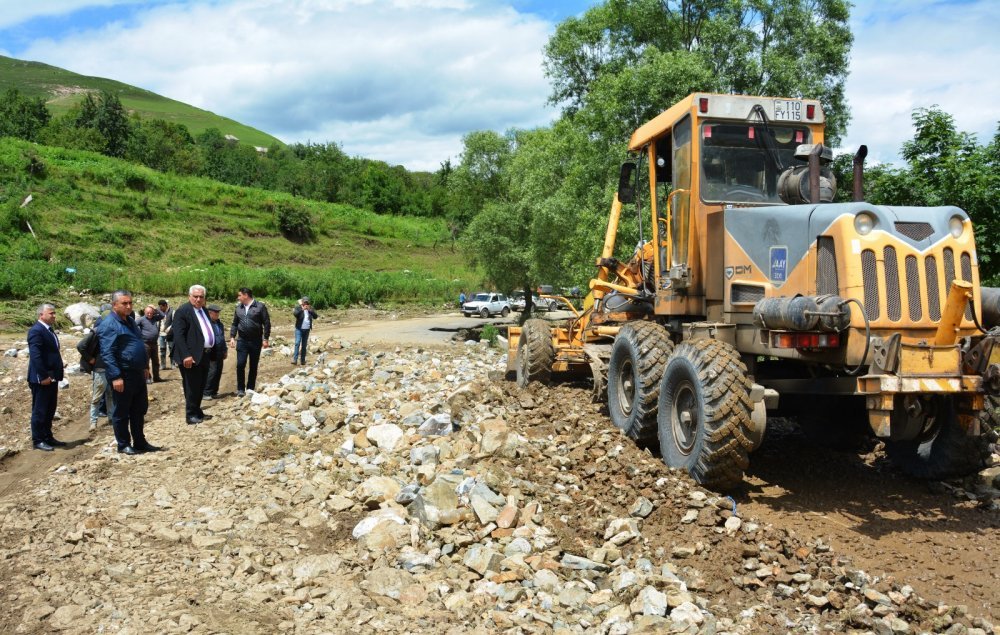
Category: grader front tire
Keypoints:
(704, 413)
(638, 357)
(535, 353)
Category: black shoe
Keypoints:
(240, 393)
(43, 446)
(194, 420)
(102, 415)
(205, 417)
(147, 447)
(57, 443)
(127, 449)
(207, 397)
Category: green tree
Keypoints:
(22, 117)
(944, 167)
(612, 69)
(792, 48)
(113, 124)
(163, 145)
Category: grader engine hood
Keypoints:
(898, 261)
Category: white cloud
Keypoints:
(399, 81)
(912, 54)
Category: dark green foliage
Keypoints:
(294, 220)
(22, 117)
(946, 167)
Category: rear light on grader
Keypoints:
(703, 105)
(810, 111)
(786, 339)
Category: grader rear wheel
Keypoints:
(704, 413)
(535, 353)
(638, 356)
(943, 451)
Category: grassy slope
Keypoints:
(61, 89)
(91, 208)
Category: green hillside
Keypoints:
(101, 223)
(62, 89)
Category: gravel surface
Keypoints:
(407, 489)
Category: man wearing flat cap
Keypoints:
(219, 353)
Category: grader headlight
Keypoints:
(957, 226)
(864, 223)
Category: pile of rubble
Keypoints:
(415, 491)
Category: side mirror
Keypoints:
(626, 183)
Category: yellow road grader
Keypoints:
(751, 293)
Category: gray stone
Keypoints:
(66, 617)
(641, 508)
(649, 601)
(424, 455)
(436, 425)
(687, 614)
(571, 561)
(314, 566)
(481, 559)
(387, 581)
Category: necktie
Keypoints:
(53, 331)
(210, 340)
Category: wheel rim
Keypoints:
(684, 417)
(485, 313)
(626, 388)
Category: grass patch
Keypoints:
(102, 224)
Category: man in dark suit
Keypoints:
(194, 340)
(218, 355)
(45, 371)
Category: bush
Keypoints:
(294, 221)
(490, 334)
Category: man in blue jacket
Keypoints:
(45, 371)
(125, 359)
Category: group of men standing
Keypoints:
(126, 346)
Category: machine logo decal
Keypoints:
(779, 264)
(729, 273)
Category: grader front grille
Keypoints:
(933, 272)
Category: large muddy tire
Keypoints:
(535, 353)
(704, 413)
(638, 357)
(947, 452)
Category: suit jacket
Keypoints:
(44, 359)
(189, 341)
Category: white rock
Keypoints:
(386, 436)
(375, 518)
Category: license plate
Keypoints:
(787, 110)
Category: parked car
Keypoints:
(542, 304)
(487, 304)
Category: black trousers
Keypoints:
(247, 350)
(128, 410)
(43, 409)
(194, 380)
(214, 377)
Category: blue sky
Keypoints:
(402, 80)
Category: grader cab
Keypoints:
(751, 293)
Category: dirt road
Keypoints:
(928, 535)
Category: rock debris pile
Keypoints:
(404, 491)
